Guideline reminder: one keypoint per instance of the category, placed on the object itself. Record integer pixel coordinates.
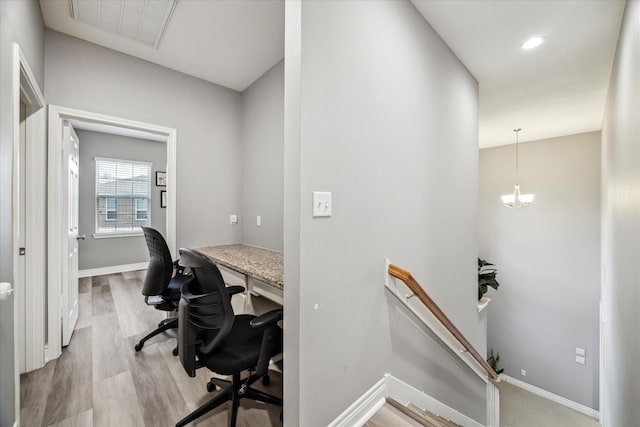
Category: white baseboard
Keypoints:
(90, 272)
(389, 386)
(405, 394)
(551, 396)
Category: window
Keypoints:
(123, 193)
(142, 209)
(112, 208)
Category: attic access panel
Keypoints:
(144, 21)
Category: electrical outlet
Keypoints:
(233, 219)
(523, 372)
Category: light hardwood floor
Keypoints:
(100, 380)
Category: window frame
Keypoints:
(136, 230)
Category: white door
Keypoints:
(21, 273)
(70, 289)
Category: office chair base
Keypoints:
(233, 391)
(165, 325)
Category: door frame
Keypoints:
(56, 232)
(25, 86)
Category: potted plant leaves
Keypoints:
(486, 277)
(494, 361)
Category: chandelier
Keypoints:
(516, 200)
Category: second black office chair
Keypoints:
(211, 335)
(161, 287)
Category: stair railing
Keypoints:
(467, 353)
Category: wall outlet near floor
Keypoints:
(523, 372)
(233, 219)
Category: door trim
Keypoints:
(26, 86)
(56, 233)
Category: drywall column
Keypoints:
(388, 124)
(621, 229)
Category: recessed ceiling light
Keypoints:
(533, 42)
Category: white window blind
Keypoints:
(123, 193)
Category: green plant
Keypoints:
(486, 277)
(493, 361)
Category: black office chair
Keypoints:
(161, 286)
(211, 336)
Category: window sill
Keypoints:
(115, 235)
(483, 303)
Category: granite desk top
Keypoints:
(261, 264)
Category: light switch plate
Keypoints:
(580, 351)
(321, 204)
(580, 360)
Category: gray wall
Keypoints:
(95, 253)
(547, 256)
(208, 119)
(388, 122)
(263, 159)
(621, 229)
(21, 22)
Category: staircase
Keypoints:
(409, 415)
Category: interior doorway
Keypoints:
(58, 209)
(28, 220)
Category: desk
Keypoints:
(262, 270)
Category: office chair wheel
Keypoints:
(138, 346)
(211, 386)
(266, 380)
(175, 351)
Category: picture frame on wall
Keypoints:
(163, 199)
(161, 179)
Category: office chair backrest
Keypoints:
(206, 305)
(160, 267)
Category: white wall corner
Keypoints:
(373, 399)
(551, 396)
(364, 408)
(405, 394)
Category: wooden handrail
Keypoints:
(415, 287)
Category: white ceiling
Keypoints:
(230, 43)
(554, 90)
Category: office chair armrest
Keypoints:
(177, 267)
(267, 319)
(234, 289)
(268, 322)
